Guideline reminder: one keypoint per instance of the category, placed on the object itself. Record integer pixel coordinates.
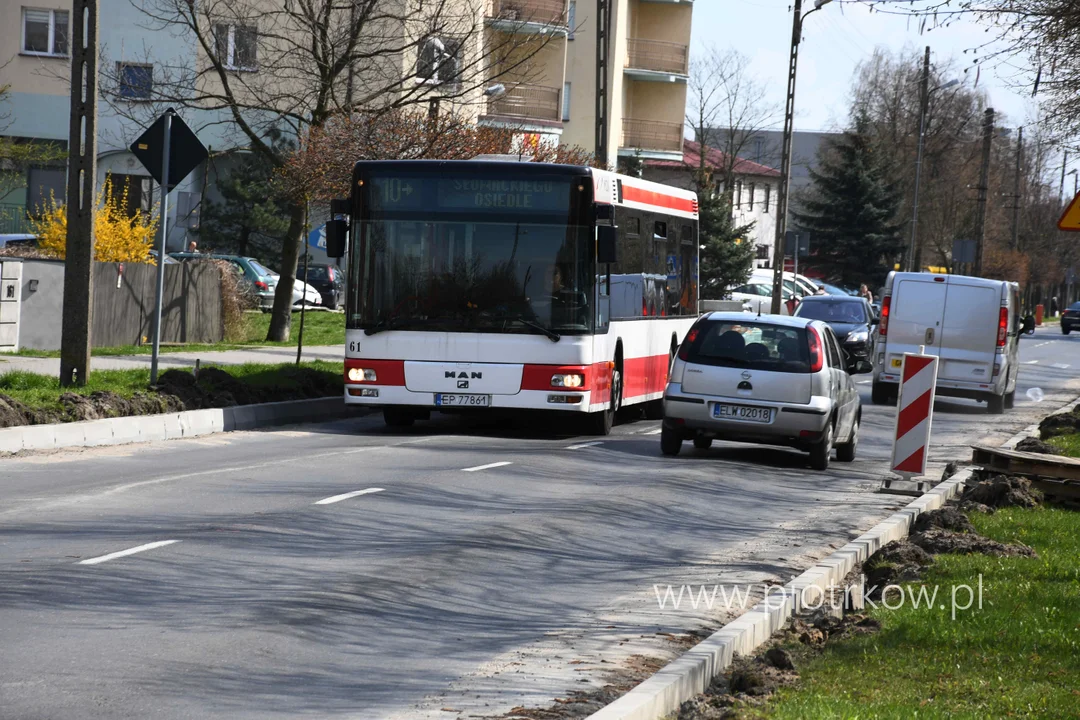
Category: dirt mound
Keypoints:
(1034, 445)
(946, 518)
(899, 561)
(746, 683)
(937, 541)
(1002, 491)
(104, 404)
(1059, 424)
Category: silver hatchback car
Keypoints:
(768, 379)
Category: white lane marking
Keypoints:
(863, 382)
(1030, 362)
(1042, 343)
(1060, 366)
(584, 445)
(657, 431)
(125, 553)
(346, 496)
(486, 467)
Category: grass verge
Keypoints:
(320, 328)
(1017, 656)
(1067, 444)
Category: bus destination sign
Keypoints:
(476, 194)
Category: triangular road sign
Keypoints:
(1070, 219)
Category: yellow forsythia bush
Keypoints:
(117, 237)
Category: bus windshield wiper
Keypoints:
(551, 334)
(384, 324)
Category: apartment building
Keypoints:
(646, 75)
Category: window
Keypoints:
(237, 46)
(738, 193)
(762, 252)
(46, 185)
(768, 192)
(437, 61)
(566, 102)
(571, 19)
(759, 149)
(136, 82)
(131, 193)
(752, 345)
(659, 230)
(751, 196)
(45, 32)
(633, 226)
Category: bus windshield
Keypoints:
(473, 254)
(475, 277)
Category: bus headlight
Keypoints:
(568, 380)
(361, 375)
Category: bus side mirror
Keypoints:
(605, 244)
(336, 230)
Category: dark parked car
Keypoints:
(851, 318)
(1070, 319)
(329, 280)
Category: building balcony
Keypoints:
(657, 60)
(652, 139)
(527, 103)
(528, 16)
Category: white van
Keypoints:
(971, 324)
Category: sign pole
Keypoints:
(164, 221)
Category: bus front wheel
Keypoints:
(600, 423)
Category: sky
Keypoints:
(835, 40)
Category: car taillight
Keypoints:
(684, 349)
(261, 285)
(817, 355)
(883, 326)
(1003, 326)
(330, 273)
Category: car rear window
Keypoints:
(750, 345)
(260, 269)
(832, 311)
(315, 274)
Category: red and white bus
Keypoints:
(513, 285)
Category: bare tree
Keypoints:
(296, 64)
(726, 109)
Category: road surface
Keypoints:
(462, 568)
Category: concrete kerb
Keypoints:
(691, 673)
(170, 426)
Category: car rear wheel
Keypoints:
(845, 452)
(702, 443)
(820, 452)
(670, 441)
(1010, 400)
(1065, 329)
(995, 404)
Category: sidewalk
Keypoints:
(268, 355)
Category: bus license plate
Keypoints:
(459, 400)
(742, 412)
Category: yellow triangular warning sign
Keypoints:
(1070, 219)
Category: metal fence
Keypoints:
(548, 12)
(527, 101)
(658, 55)
(652, 135)
(13, 219)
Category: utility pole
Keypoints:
(603, 37)
(914, 261)
(984, 182)
(82, 175)
(1016, 189)
(1061, 189)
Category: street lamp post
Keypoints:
(914, 259)
(785, 156)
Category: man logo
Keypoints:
(463, 375)
(462, 384)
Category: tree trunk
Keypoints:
(242, 243)
(281, 315)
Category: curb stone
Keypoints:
(690, 674)
(169, 426)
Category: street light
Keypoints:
(913, 262)
(785, 157)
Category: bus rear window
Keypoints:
(750, 345)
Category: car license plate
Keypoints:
(742, 412)
(459, 400)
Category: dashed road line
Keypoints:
(584, 445)
(1060, 366)
(125, 553)
(1030, 362)
(345, 496)
(657, 431)
(487, 467)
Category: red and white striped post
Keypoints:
(914, 411)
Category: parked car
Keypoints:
(18, 239)
(169, 259)
(328, 279)
(261, 279)
(836, 289)
(757, 293)
(972, 324)
(851, 318)
(772, 380)
(1070, 319)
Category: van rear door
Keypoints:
(915, 316)
(969, 332)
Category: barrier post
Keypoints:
(914, 412)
